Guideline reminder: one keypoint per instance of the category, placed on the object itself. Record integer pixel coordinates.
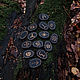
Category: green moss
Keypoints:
(56, 12)
(54, 8)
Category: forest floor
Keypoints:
(58, 12)
(55, 9)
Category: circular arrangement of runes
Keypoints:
(23, 34)
(28, 54)
(47, 46)
(43, 16)
(32, 36)
(32, 27)
(35, 62)
(38, 41)
(26, 44)
(43, 25)
(41, 54)
(38, 44)
(44, 34)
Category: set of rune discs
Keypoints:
(43, 45)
